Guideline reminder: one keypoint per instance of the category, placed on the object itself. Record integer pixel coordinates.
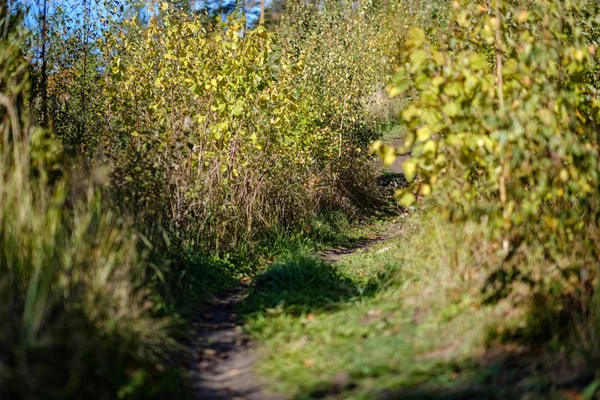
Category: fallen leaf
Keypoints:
(382, 250)
(572, 395)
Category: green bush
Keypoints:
(224, 134)
(506, 121)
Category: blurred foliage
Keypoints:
(506, 121)
(75, 311)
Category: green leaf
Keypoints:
(237, 110)
(591, 390)
(407, 199)
(478, 61)
(417, 58)
(451, 109)
(452, 89)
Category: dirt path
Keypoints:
(224, 357)
(335, 255)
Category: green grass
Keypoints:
(396, 318)
(317, 320)
(391, 132)
(190, 278)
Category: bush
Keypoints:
(506, 121)
(230, 132)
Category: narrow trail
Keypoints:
(223, 357)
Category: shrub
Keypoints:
(506, 121)
(223, 133)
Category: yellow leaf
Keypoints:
(375, 146)
(407, 199)
(523, 17)
(437, 81)
(564, 175)
(423, 133)
(409, 167)
(389, 156)
(425, 189)
(410, 112)
(416, 36)
(429, 147)
(439, 58)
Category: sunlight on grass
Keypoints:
(400, 315)
(369, 333)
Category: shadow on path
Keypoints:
(222, 356)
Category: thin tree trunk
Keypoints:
(83, 78)
(44, 66)
(500, 90)
(262, 12)
(498, 50)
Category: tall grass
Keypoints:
(452, 268)
(75, 312)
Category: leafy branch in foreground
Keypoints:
(506, 122)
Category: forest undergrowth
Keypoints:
(153, 154)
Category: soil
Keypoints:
(224, 357)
